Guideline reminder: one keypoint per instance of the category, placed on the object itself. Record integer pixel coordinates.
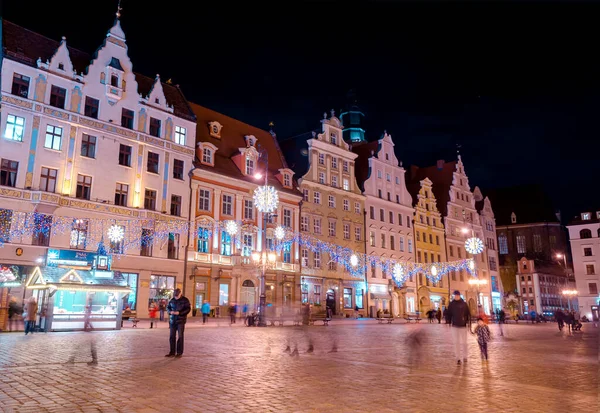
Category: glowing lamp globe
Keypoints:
(279, 233)
(397, 271)
(231, 227)
(434, 270)
(474, 246)
(116, 233)
(353, 260)
(471, 265)
(266, 199)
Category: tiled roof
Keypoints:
(25, 46)
(361, 165)
(530, 203)
(576, 220)
(441, 177)
(233, 134)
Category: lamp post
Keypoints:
(266, 200)
(569, 294)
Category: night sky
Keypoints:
(516, 85)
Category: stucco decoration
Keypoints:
(76, 96)
(169, 129)
(142, 120)
(40, 88)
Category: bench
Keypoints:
(385, 317)
(412, 318)
(319, 317)
(280, 321)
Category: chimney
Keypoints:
(440, 164)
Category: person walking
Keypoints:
(14, 312)
(205, 311)
(32, 308)
(152, 313)
(179, 307)
(458, 317)
(483, 337)
(232, 314)
(162, 306)
(245, 310)
(438, 315)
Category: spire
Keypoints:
(118, 13)
(116, 31)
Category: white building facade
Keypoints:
(389, 232)
(584, 233)
(88, 145)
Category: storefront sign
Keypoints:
(70, 258)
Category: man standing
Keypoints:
(458, 317)
(178, 308)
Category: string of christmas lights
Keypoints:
(117, 236)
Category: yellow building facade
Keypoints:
(333, 212)
(430, 247)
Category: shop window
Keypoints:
(74, 302)
(130, 300)
(317, 295)
(161, 288)
(358, 298)
(79, 231)
(347, 297)
(223, 294)
(304, 293)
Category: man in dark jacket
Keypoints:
(459, 317)
(178, 308)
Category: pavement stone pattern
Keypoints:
(377, 368)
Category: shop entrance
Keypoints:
(595, 313)
(248, 295)
(330, 301)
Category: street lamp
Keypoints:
(569, 294)
(266, 200)
(564, 258)
(478, 282)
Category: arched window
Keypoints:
(585, 233)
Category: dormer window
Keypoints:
(249, 166)
(287, 181)
(333, 138)
(206, 153)
(114, 80)
(207, 156)
(586, 216)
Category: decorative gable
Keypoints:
(214, 129)
(71, 277)
(36, 280)
(156, 97)
(332, 131)
(60, 62)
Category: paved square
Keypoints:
(377, 368)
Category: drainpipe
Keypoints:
(187, 244)
(300, 248)
(366, 279)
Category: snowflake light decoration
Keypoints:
(266, 199)
(397, 272)
(116, 233)
(279, 233)
(474, 246)
(434, 270)
(353, 260)
(231, 227)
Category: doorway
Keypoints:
(249, 295)
(330, 301)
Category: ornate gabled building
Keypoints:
(461, 221)
(430, 245)
(332, 212)
(389, 212)
(87, 145)
(230, 165)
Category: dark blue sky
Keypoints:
(515, 84)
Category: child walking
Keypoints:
(483, 336)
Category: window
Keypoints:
(249, 166)
(503, 244)
(176, 205)
(451, 250)
(316, 197)
(357, 207)
(161, 286)
(124, 155)
(225, 243)
(585, 233)
(150, 199)
(383, 240)
(305, 195)
(20, 85)
(15, 126)
(322, 177)
(332, 228)
(84, 187)
(248, 209)
(287, 218)
(391, 216)
(397, 199)
(382, 215)
(178, 169)
(91, 107)
(589, 269)
(334, 139)
(180, 133)
(121, 194)
(593, 288)
(204, 200)
(57, 97)
(331, 201)
(587, 252)
(372, 212)
(207, 156)
(304, 255)
(287, 180)
(79, 230)
(357, 233)
(346, 205)
(317, 225)
(155, 127)
(127, 118)
(379, 174)
(334, 181)
(173, 246)
(493, 265)
(521, 246)
(53, 137)
(5, 224)
(334, 163)
(48, 179)
(304, 224)
(204, 240)
(116, 247)
(8, 172)
(152, 163)
(345, 166)
(347, 297)
(226, 205)
(392, 242)
(317, 259)
(346, 231)
(537, 242)
(371, 238)
(287, 253)
(401, 244)
(146, 242)
(42, 230)
(408, 222)
(88, 146)
(346, 184)
(388, 177)
(321, 159)
(410, 246)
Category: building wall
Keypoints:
(389, 212)
(31, 153)
(540, 241)
(586, 267)
(430, 247)
(319, 180)
(488, 224)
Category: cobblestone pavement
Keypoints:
(377, 368)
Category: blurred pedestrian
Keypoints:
(152, 310)
(245, 310)
(179, 307)
(438, 315)
(231, 313)
(14, 313)
(162, 306)
(32, 308)
(459, 316)
(205, 311)
(483, 337)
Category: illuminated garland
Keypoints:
(132, 234)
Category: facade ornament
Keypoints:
(324, 115)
